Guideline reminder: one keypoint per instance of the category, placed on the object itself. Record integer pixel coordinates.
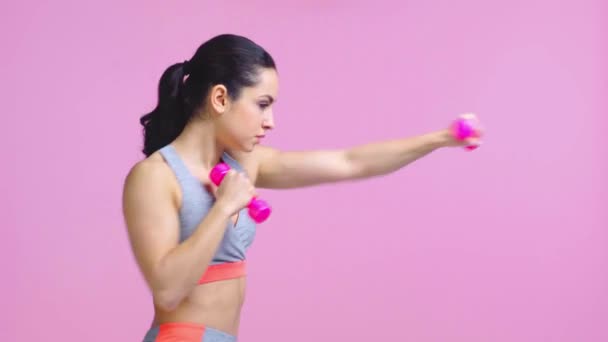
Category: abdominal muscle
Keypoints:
(216, 305)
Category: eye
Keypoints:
(263, 105)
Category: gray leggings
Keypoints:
(185, 331)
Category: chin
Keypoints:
(241, 146)
(247, 147)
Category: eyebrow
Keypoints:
(270, 98)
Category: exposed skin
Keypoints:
(152, 197)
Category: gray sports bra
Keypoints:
(196, 203)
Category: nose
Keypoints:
(268, 122)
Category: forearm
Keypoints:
(179, 271)
(384, 157)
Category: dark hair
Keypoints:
(227, 59)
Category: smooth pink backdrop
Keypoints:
(507, 243)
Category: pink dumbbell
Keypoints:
(466, 126)
(259, 210)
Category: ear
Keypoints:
(218, 98)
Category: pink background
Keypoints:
(507, 243)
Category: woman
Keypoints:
(189, 237)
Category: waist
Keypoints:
(217, 304)
(186, 331)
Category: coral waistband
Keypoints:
(224, 271)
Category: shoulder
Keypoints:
(149, 176)
(151, 168)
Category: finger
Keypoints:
(472, 142)
(211, 188)
(231, 173)
(468, 116)
(245, 178)
(478, 132)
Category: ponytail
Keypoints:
(163, 124)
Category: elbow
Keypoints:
(351, 167)
(167, 300)
(356, 170)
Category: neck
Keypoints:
(199, 145)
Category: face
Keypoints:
(243, 123)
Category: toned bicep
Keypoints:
(151, 217)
